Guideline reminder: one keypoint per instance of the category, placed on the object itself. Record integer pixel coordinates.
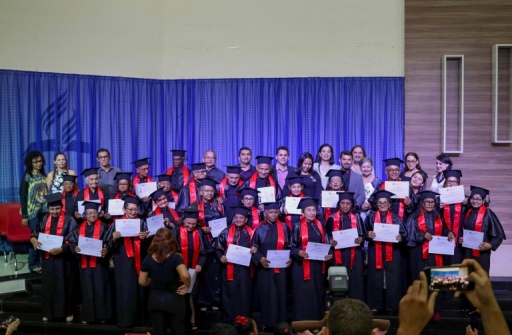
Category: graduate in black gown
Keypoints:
(164, 182)
(142, 176)
(190, 192)
(179, 172)
(334, 183)
(236, 279)
(481, 218)
(93, 192)
(126, 253)
(228, 189)
(308, 276)
(58, 270)
(351, 257)
(94, 271)
(295, 188)
(263, 178)
(393, 174)
(170, 216)
(271, 283)
(248, 198)
(384, 279)
(69, 193)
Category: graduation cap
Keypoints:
(141, 162)
(164, 177)
(248, 191)
(383, 194)
(208, 182)
(191, 213)
(236, 169)
(393, 161)
(264, 160)
(54, 199)
(428, 195)
(178, 152)
(271, 205)
(89, 172)
(452, 173)
(293, 178)
(68, 177)
(479, 190)
(240, 210)
(346, 195)
(306, 202)
(123, 176)
(131, 200)
(335, 173)
(91, 205)
(157, 194)
(198, 166)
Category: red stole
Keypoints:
(280, 240)
(60, 225)
(255, 217)
(455, 224)
(337, 224)
(230, 240)
(96, 235)
(327, 213)
(137, 180)
(133, 251)
(305, 239)
(185, 247)
(175, 215)
(254, 177)
(288, 217)
(118, 195)
(438, 230)
(401, 204)
(224, 183)
(478, 223)
(87, 196)
(75, 193)
(192, 191)
(186, 175)
(378, 245)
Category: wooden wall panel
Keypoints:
(443, 27)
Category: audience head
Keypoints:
(245, 326)
(358, 153)
(282, 155)
(209, 158)
(366, 165)
(103, 157)
(349, 317)
(412, 162)
(325, 153)
(346, 159)
(305, 163)
(60, 161)
(245, 155)
(34, 160)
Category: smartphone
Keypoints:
(449, 278)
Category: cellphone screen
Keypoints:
(449, 279)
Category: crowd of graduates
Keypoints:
(191, 200)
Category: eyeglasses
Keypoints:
(248, 199)
(131, 209)
(429, 202)
(477, 199)
(394, 170)
(384, 203)
(92, 214)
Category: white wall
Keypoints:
(204, 38)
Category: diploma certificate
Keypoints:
(115, 206)
(386, 232)
(317, 251)
(238, 255)
(143, 190)
(400, 188)
(90, 246)
(49, 242)
(278, 258)
(81, 208)
(193, 274)
(291, 205)
(345, 238)
(128, 227)
(330, 199)
(217, 226)
(472, 239)
(154, 223)
(441, 245)
(452, 195)
(267, 194)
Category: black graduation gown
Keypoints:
(388, 278)
(312, 185)
(177, 179)
(308, 295)
(236, 293)
(493, 234)
(449, 212)
(128, 291)
(95, 281)
(231, 200)
(356, 272)
(93, 196)
(184, 200)
(141, 209)
(70, 203)
(263, 182)
(58, 272)
(271, 287)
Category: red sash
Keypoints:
(255, 217)
(254, 177)
(186, 175)
(87, 196)
(192, 191)
(137, 180)
(60, 225)
(96, 235)
(185, 247)
(133, 251)
(118, 195)
(378, 245)
(223, 184)
(280, 240)
(75, 193)
(337, 224)
(455, 225)
(478, 224)
(438, 230)
(305, 239)
(230, 240)
(175, 215)
(401, 204)
(288, 217)
(327, 213)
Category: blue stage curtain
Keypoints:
(136, 118)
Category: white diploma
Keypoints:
(171, 205)
(386, 232)
(345, 238)
(143, 190)
(317, 251)
(49, 242)
(452, 195)
(330, 199)
(128, 227)
(291, 205)
(278, 258)
(400, 188)
(90, 246)
(115, 206)
(217, 226)
(81, 208)
(472, 239)
(193, 275)
(238, 255)
(267, 194)
(441, 245)
(154, 223)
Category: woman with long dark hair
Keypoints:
(411, 166)
(443, 163)
(324, 162)
(312, 182)
(54, 180)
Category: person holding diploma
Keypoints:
(384, 279)
(126, 253)
(308, 276)
(94, 272)
(352, 258)
(393, 174)
(164, 182)
(295, 187)
(480, 218)
(69, 194)
(335, 183)
(443, 163)
(168, 280)
(142, 176)
(417, 183)
(93, 192)
(263, 178)
(58, 268)
(271, 283)
(236, 278)
(248, 197)
(190, 192)
(171, 218)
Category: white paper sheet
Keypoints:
(441, 245)
(278, 258)
(143, 190)
(115, 206)
(90, 246)
(266, 194)
(291, 204)
(128, 227)
(452, 195)
(154, 223)
(193, 275)
(345, 238)
(400, 188)
(238, 255)
(217, 226)
(330, 199)
(472, 239)
(49, 242)
(317, 251)
(386, 232)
